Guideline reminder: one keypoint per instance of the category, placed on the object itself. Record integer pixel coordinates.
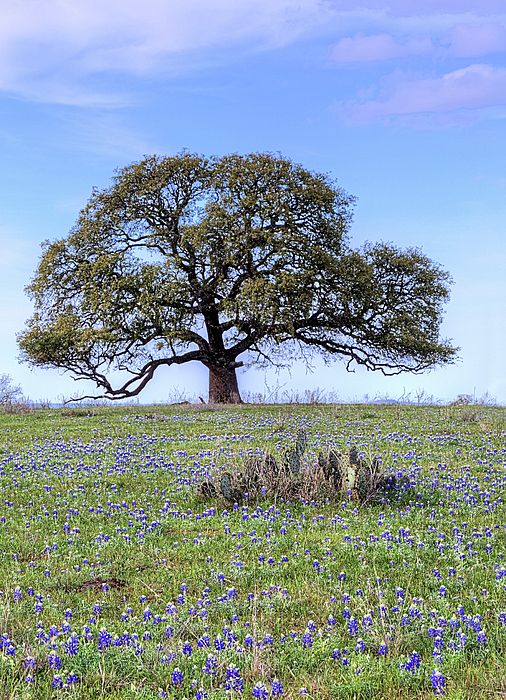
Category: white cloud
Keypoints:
(65, 51)
(477, 39)
(378, 47)
(475, 87)
(48, 48)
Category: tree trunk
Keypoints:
(223, 387)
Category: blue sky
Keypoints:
(406, 108)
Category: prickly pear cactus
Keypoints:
(293, 459)
(331, 463)
(226, 486)
(301, 443)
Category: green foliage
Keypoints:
(186, 258)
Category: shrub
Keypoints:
(334, 475)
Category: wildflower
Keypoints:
(211, 665)
(219, 643)
(360, 645)
(177, 676)
(276, 688)
(187, 649)
(307, 640)
(260, 692)
(54, 660)
(438, 682)
(58, 682)
(352, 627)
(72, 645)
(233, 679)
(413, 663)
(383, 649)
(104, 639)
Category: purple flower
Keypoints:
(260, 692)
(72, 645)
(54, 660)
(276, 688)
(187, 649)
(352, 627)
(104, 639)
(360, 646)
(233, 679)
(383, 649)
(413, 663)
(307, 640)
(438, 682)
(210, 665)
(177, 676)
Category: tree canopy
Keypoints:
(227, 261)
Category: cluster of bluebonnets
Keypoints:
(112, 561)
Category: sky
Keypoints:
(404, 104)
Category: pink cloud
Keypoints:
(475, 87)
(378, 47)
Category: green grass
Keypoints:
(99, 507)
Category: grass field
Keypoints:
(118, 581)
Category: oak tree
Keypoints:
(227, 261)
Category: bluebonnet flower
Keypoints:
(187, 649)
(383, 649)
(210, 665)
(57, 682)
(352, 627)
(233, 679)
(260, 692)
(219, 643)
(438, 682)
(104, 639)
(177, 676)
(360, 645)
(413, 663)
(307, 640)
(72, 645)
(54, 660)
(276, 688)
